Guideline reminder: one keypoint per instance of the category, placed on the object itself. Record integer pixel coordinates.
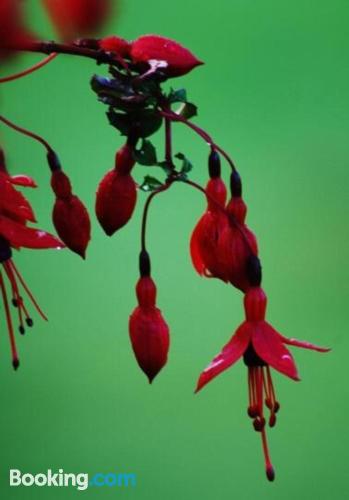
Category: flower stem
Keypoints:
(49, 47)
(30, 70)
(27, 133)
(146, 210)
(204, 135)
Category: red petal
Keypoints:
(19, 235)
(73, 18)
(231, 352)
(13, 202)
(267, 343)
(303, 344)
(195, 253)
(23, 180)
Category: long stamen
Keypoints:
(30, 295)
(15, 359)
(269, 469)
(17, 299)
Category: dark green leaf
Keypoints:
(166, 166)
(150, 184)
(179, 95)
(187, 165)
(144, 122)
(146, 155)
(187, 110)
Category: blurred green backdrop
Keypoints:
(274, 91)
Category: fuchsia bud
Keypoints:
(116, 45)
(117, 194)
(70, 216)
(149, 332)
(153, 47)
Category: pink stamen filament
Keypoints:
(15, 360)
(17, 296)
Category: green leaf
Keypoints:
(187, 110)
(166, 166)
(179, 95)
(146, 155)
(187, 165)
(150, 184)
(144, 122)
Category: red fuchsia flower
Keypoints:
(12, 30)
(262, 348)
(73, 18)
(69, 215)
(238, 242)
(117, 194)
(149, 332)
(15, 213)
(179, 60)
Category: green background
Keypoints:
(274, 92)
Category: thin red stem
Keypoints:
(146, 210)
(27, 133)
(30, 70)
(204, 135)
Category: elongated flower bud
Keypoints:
(153, 47)
(69, 215)
(117, 195)
(148, 330)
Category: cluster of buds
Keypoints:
(222, 246)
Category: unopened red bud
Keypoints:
(153, 47)
(69, 215)
(116, 45)
(72, 223)
(148, 330)
(117, 194)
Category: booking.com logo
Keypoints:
(62, 479)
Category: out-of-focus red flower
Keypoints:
(117, 194)
(148, 330)
(12, 28)
(74, 18)
(179, 60)
(261, 347)
(69, 215)
(15, 213)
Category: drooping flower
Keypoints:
(15, 213)
(117, 194)
(149, 332)
(238, 243)
(179, 60)
(12, 29)
(73, 18)
(69, 215)
(262, 348)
